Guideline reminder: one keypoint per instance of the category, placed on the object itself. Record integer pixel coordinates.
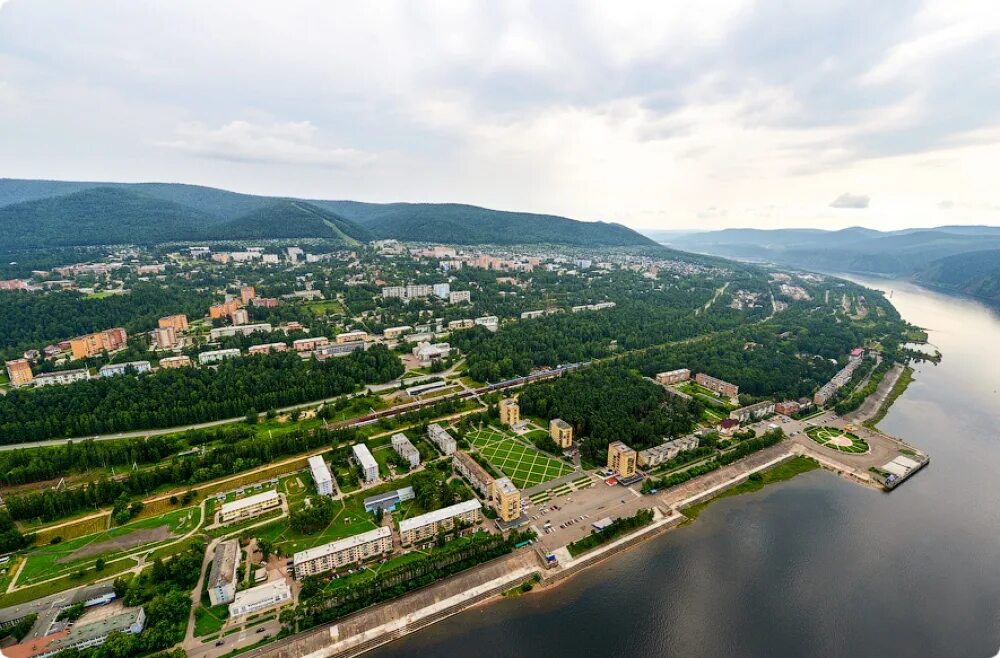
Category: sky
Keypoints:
(657, 115)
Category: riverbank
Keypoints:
(899, 386)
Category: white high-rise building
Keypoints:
(321, 476)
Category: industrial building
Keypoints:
(427, 526)
(342, 552)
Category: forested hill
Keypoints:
(42, 213)
(976, 273)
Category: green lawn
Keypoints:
(525, 466)
(830, 437)
(209, 620)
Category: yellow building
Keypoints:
(561, 432)
(19, 372)
(507, 500)
(621, 459)
(93, 344)
(351, 337)
(510, 412)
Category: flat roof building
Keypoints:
(181, 361)
(364, 459)
(440, 437)
(249, 507)
(222, 578)
(351, 337)
(112, 369)
(622, 459)
(405, 449)
(463, 464)
(673, 376)
(178, 322)
(267, 348)
(214, 356)
(507, 500)
(309, 344)
(321, 476)
(752, 411)
(241, 330)
(428, 525)
(510, 412)
(62, 377)
(387, 502)
(260, 598)
(561, 432)
(719, 386)
(342, 552)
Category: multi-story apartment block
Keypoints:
(321, 476)
(461, 324)
(309, 344)
(363, 458)
(339, 349)
(164, 338)
(621, 459)
(19, 372)
(176, 322)
(418, 290)
(719, 386)
(787, 407)
(351, 337)
(249, 507)
(181, 361)
(239, 316)
(463, 464)
(440, 437)
(62, 377)
(405, 449)
(260, 598)
(673, 376)
(753, 411)
(112, 369)
(491, 322)
(666, 451)
(101, 341)
(427, 526)
(459, 296)
(265, 302)
(267, 348)
(392, 333)
(214, 356)
(222, 578)
(510, 412)
(506, 500)
(247, 293)
(340, 553)
(441, 290)
(217, 311)
(243, 329)
(561, 432)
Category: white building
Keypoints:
(442, 290)
(440, 437)
(491, 322)
(112, 369)
(349, 550)
(459, 296)
(405, 449)
(260, 598)
(364, 459)
(61, 377)
(426, 351)
(243, 329)
(321, 476)
(214, 356)
(428, 525)
(249, 507)
(222, 578)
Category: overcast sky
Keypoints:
(657, 115)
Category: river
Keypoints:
(814, 566)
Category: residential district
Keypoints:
(458, 457)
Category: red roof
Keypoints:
(33, 647)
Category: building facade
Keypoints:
(561, 432)
(164, 337)
(321, 476)
(222, 578)
(95, 343)
(60, 377)
(260, 598)
(340, 553)
(507, 500)
(249, 507)
(181, 361)
(463, 464)
(673, 376)
(753, 411)
(440, 437)
(363, 458)
(719, 386)
(427, 526)
(405, 449)
(214, 356)
(510, 412)
(622, 459)
(351, 337)
(112, 369)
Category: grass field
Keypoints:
(524, 465)
(838, 439)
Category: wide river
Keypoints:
(815, 566)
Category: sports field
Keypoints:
(524, 465)
(838, 439)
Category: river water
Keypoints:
(814, 566)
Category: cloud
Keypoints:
(291, 142)
(848, 200)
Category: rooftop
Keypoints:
(364, 456)
(224, 563)
(250, 501)
(341, 544)
(439, 515)
(506, 486)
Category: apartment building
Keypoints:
(181, 361)
(622, 459)
(267, 348)
(217, 311)
(112, 369)
(260, 598)
(178, 323)
(673, 376)
(441, 290)
(79, 636)
(561, 432)
(164, 338)
(339, 349)
(427, 526)
(666, 451)
(244, 330)
(222, 579)
(392, 333)
(340, 553)
(753, 411)
(19, 372)
(95, 343)
(510, 412)
(719, 386)
(507, 500)
(440, 437)
(265, 302)
(309, 344)
(463, 464)
(491, 322)
(249, 507)
(829, 389)
(351, 337)
(363, 458)
(247, 293)
(459, 296)
(239, 316)
(461, 324)
(62, 377)
(787, 407)
(405, 449)
(214, 356)
(321, 476)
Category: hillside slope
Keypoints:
(975, 273)
(291, 219)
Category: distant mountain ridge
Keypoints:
(964, 259)
(176, 211)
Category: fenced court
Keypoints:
(525, 466)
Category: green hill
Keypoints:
(976, 273)
(291, 219)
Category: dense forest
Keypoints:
(30, 320)
(611, 403)
(168, 398)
